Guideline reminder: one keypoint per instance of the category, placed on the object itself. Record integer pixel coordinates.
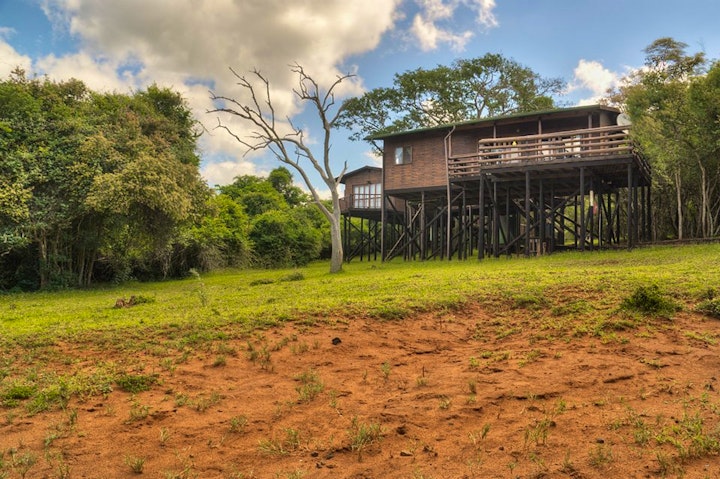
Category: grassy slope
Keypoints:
(560, 296)
(384, 290)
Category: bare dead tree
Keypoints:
(290, 147)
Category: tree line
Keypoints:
(98, 187)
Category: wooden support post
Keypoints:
(541, 206)
(383, 225)
(651, 237)
(630, 213)
(553, 217)
(583, 226)
(527, 213)
(495, 224)
(423, 226)
(481, 219)
(507, 221)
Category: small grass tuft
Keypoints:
(363, 435)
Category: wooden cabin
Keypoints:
(530, 183)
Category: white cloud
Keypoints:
(189, 45)
(9, 58)
(224, 172)
(593, 77)
(373, 157)
(427, 25)
(486, 16)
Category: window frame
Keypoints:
(403, 155)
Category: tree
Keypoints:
(88, 178)
(287, 142)
(491, 85)
(674, 102)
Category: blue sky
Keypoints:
(189, 45)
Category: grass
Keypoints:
(389, 291)
(582, 292)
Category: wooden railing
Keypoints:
(508, 152)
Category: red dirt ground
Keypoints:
(463, 394)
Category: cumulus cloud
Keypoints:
(428, 25)
(9, 57)
(223, 172)
(190, 45)
(593, 77)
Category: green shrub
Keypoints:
(650, 300)
(135, 383)
(710, 307)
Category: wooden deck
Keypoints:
(598, 147)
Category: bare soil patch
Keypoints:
(459, 394)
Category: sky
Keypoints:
(192, 45)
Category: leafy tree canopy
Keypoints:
(476, 88)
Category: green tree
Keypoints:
(673, 102)
(468, 89)
(282, 181)
(90, 178)
(281, 240)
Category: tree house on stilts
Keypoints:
(525, 184)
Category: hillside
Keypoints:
(551, 378)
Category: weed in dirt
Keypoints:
(136, 464)
(568, 467)
(299, 348)
(283, 446)
(385, 369)
(181, 399)
(202, 403)
(296, 474)
(310, 385)
(601, 456)
(472, 387)
(668, 465)
(238, 424)
(260, 356)
(422, 380)
(445, 403)
(538, 431)
(363, 435)
(530, 357)
(474, 363)
(164, 435)
(21, 463)
(477, 436)
(220, 361)
(138, 412)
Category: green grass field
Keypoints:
(392, 290)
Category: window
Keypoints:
(367, 196)
(403, 155)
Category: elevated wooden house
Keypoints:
(530, 183)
